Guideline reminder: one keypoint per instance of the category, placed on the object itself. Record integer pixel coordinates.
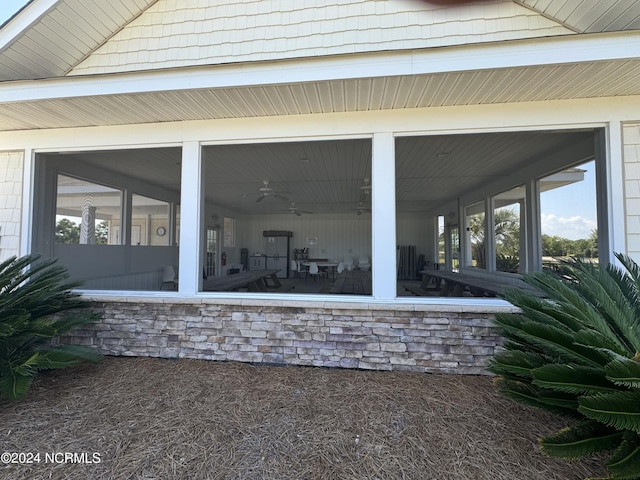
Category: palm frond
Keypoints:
(620, 410)
(574, 379)
(580, 440)
(624, 464)
(568, 299)
(515, 363)
(554, 402)
(624, 372)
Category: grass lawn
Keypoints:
(184, 419)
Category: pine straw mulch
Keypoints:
(187, 419)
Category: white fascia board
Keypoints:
(521, 53)
(28, 16)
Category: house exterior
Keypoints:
(176, 133)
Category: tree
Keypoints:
(506, 232)
(37, 305)
(102, 233)
(575, 353)
(67, 231)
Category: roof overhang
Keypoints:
(581, 66)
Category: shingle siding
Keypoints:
(631, 138)
(11, 171)
(213, 32)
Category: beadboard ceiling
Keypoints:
(327, 176)
(524, 84)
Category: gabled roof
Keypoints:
(48, 38)
(568, 65)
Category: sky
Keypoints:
(568, 212)
(9, 7)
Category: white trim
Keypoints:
(28, 179)
(383, 216)
(287, 139)
(449, 304)
(568, 49)
(31, 13)
(191, 220)
(615, 201)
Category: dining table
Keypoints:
(327, 266)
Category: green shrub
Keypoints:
(37, 305)
(576, 353)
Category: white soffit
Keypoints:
(49, 37)
(524, 84)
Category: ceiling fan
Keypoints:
(296, 211)
(362, 208)
(267, 191)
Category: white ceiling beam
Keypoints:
(532, 52)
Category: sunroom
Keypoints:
(381, 210)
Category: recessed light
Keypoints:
(304, 160)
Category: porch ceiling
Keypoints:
(504, 85)
(326, 176)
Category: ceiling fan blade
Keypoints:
(284, 199)
(260, 198)
(297, 213)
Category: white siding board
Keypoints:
(255, 31)
(631, 152)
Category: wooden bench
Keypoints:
(420, 292)
(455, 284)
(252, 280)
(355, 282)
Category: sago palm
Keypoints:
(36, 305)
(576, 353)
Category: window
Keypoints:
(475, 223)
(149, 221)
(507, 227)
(568, 215)
(87, 213)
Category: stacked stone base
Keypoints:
(439, 339)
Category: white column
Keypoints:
(383, 216)
(191, 217)
(88, 226)
(610, 178)
(489, 234)
(532, 226)
(26, 219)
(522, 253)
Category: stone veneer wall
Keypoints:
(439, 339)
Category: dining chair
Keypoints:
(348, 262)
(293, 266)
(314, 271)
(363, 262)
(169, 278)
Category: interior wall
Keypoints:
(336, 235)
